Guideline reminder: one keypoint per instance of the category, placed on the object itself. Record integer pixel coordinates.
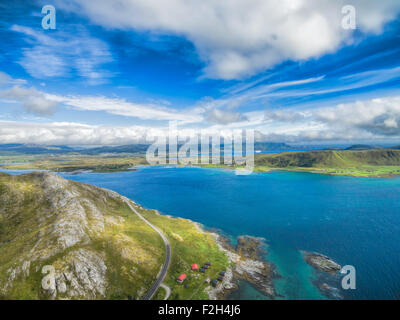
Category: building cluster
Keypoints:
(203, 269)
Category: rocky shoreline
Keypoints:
(246, 263)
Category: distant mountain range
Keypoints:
(32, 149)
(363, 147)
(268, 146)
(13, 149)
(141, 148)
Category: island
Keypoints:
(321, 262)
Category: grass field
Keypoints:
(189, 246)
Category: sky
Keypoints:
(116, 72)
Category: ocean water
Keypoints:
(355, 221)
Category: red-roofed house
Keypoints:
(181, 278)
(195, 267)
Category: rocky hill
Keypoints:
(61, 239)
(67, 240)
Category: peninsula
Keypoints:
(61, 239)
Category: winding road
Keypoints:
(167, 261)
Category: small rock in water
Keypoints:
(322, 262)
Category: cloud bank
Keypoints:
(237, 38)
(366, 120)
(371, 120)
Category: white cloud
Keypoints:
(221, 111)
(42, 103)
(128, 109)
(239, 38)
(32, 100)
(63, 53)
(224, 117)
(377, 116)
(5, 79)
(369, 119)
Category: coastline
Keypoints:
(260, 169)
(271, 249)
(246, 263)
(100, 164)
(257, 169)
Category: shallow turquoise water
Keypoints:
(355, 221)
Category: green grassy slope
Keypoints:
(98, 248)
(379, 162)
(105, 228)
(330, 158)
(189, 246)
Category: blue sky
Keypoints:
(113, 71)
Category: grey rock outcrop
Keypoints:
(321, 262)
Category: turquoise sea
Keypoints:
(355, 221)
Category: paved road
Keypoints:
(167, 262)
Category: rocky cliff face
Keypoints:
(66, 240)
